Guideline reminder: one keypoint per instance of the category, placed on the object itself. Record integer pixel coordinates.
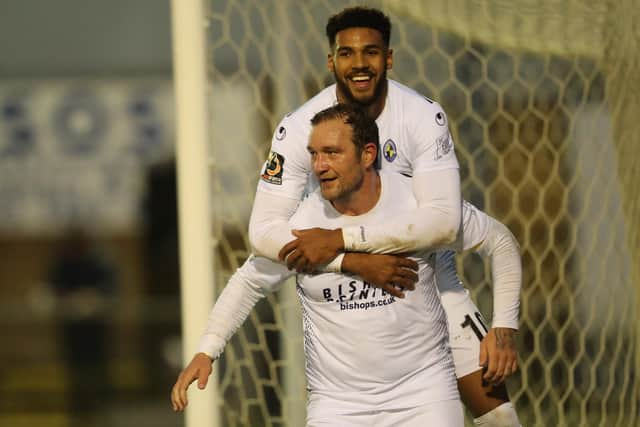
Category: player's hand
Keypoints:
(311, 249)
(199, 368)
(498, 354)
(393, 273)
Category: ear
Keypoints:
(369, 154)
(331, 66)
(389, 59)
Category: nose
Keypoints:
(359, 62)
(320, 164)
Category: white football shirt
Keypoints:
(365, 349)
(261, 273)
(414, 137)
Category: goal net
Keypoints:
(543, 103)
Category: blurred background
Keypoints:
(542, 99)
(89, 276)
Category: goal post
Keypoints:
(195, 219)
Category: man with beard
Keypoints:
(417, 143)
(361, 368)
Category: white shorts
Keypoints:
(446, 413)
(467, 327)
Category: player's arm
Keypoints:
(282, 182)
(497, 349)
(503, 251)
(393, 273)
(436, 186)
(243, 290)
(493, 240)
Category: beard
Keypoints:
(345, 190)
(378, 91)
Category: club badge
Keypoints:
(389, 150)
(273, 169)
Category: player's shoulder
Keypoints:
(407, 95)
(412, 102)
(472, 212)
(296, 125)
(304, 113)
(469, 207)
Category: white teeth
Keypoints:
(360, 78)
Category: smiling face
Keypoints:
(338, 164)
(335, 159)
(359, 61)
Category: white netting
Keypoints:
(543, 99)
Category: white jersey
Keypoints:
(365, 349)
(258, 275)
(413, 130)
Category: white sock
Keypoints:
(503, 416)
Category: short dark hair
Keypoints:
(365, 129)
(352, 17)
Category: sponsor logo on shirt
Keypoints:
(441, 119)
(366, 305)
(357, 295)
(281, 133)
(443, 146)
(389, 150)
(273, 169)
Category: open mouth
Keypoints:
(361, 81)
(361, 78)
